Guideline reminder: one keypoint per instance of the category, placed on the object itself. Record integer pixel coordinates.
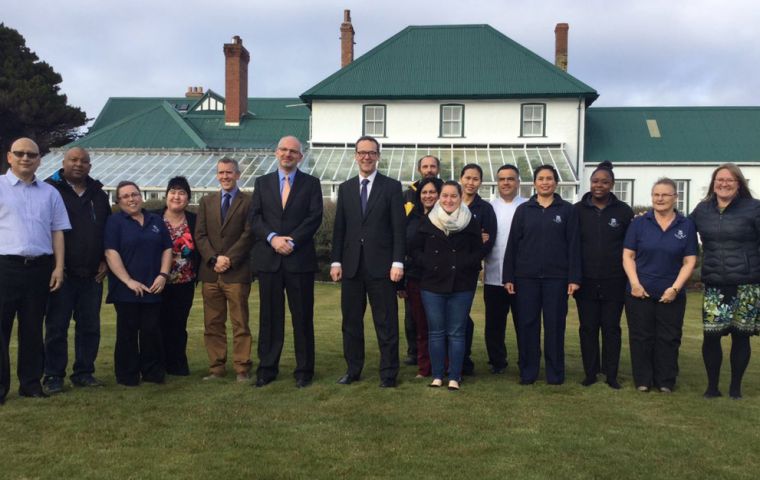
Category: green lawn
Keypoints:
(493, 428)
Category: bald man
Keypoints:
(286, 212)
(32, 221)
(81, 294)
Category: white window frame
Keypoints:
(533, 120)
(373, 119)
(623, 190)
(452, 120)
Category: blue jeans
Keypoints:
(80, 297)
(447, 317)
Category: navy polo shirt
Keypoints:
(140, 248)
(659, 255)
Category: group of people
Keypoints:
(426, 245)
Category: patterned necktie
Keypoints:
(363, 195)
(225, 205)
(285, 191)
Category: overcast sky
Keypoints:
(640, 52)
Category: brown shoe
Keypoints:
(243, 377)
(213, 376)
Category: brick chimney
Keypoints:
(560, 45)
(236, 59)
(194, 92)
(346, 40)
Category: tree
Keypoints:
(31, 104)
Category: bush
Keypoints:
(323, 242)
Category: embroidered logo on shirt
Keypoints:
(613, 223)
(155, 229)
(557, 219)
(680, 235)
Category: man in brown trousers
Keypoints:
(223, 237)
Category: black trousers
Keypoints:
(353, 302)
(595, 315)
(654, 330)
(410, 331)
(498, 303)
(139, 350)
(300, 290)
(176, 301)
(24, 289)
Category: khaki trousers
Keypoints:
(217, 296)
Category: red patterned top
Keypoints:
(182, 252)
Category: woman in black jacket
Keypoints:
(603, 221)
(180, 287)
(448, 247)
(728, 222)
(426, 197)
(542, 265)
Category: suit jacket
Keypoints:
(231, 238)
(381, 232)
(300, 219)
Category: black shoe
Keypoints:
(388, 383)
(712, 393)
(527, 382)
(303, 383)
(588, 381)
(86, 381)
(735, 392)
(497, 370)
(2, 400)
(262, 382)
(468, 368)
(53, 385)
(37, 394)
(613, 384)
(348, 379)
(410, 360)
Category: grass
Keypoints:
(493, 428)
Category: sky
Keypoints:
(634, 53)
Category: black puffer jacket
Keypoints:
(730, 241)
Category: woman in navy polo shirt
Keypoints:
(139, 255)
(659, 254)
(542, 265)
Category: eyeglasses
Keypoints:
(370, 153)
(127, 196)
(726, 181)
(289, 150)
(29, 155)
(663, 195)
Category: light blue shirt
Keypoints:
(29, 214)
(233, 193)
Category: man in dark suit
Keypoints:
(368, 255)
(286, 212)
(223, 238)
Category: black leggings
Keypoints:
(713, 356)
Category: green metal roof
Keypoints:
(171, 123)
(686, 134)
(451, 62)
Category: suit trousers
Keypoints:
(595, 315)
(299, 287)
(24, 289)
(536, 298)
(654, 331)
(217, 297)
(353, 302)
(139, 351)
(177, 299)
(498, 303)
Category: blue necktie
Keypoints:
(225, 205)
(363, 196)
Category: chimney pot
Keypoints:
(560, 45)
(346, 40)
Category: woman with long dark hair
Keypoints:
(728, 222)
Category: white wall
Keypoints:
(418, 121)
(644, 177)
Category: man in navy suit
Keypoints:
(286, 211)
(368, 257)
